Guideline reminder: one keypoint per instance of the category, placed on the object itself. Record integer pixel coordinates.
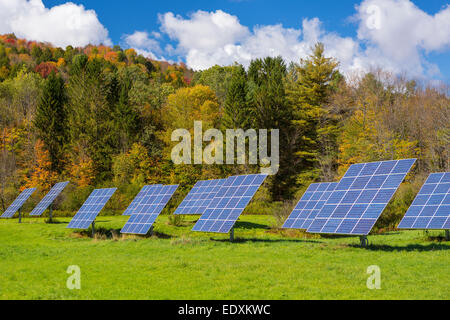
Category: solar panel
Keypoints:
(49, 198)
(148, 209)
(309, 205)
(18, 203)
(360, 197)
(229, 203)
(200, 197)
(135, 202)
(431, 208)
(91, 208)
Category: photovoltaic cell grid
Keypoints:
(49, 198)
(360, 197)
(200, 197)
(18, 203)
(148, 209)
(91, 208)
(309, 205)
(229, 203)
(431, 208)
(145, 190)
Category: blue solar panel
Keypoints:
(200, 197)
(431, 208)
(18, 203)
(229, 203)
(49, 198)
(91, 208)
(360, 197)
(148, 209)
(146, 190)
(309, 205)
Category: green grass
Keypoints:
(179, 264)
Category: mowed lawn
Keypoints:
(179, 264)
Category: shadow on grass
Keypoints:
(250, 225)
(408, 248)
(114, 234)
(255, 240)
(54, 221)
(387, 233)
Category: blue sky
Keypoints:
(413, 36)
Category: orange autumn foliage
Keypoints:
(82, 171)
(41, 176)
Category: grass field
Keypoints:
(178, 264)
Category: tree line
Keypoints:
(101, 116)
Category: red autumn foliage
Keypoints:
(45, 68)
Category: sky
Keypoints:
(407, 37)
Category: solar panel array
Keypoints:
(360, 197)
(18, 203)
(49, 198)
(200, 197)
(229, 203)
(145, 190)
(148, 209)
(309, 205)
(91, 208)
(431, 207)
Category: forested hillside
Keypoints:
(101, 116)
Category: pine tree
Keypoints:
(127, 119)
(51, 120)
(93, 100)
(312, 83)
(272, 111)
(237, 113)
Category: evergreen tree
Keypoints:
(237, 113)
(127, 119)
(312, 83)
(51, 120)
(93, 98)
(272, 111)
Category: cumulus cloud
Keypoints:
(393, 34)
(143, 43)
(397, 34)
(209, 38)
(66, 24)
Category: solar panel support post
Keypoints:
(20, 216)
(364, 241)
(232, 235)
(50, 214)
(447, 235)
(93, 229)
(151, 231)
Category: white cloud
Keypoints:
(141, 41)
(66, 24)
(209, 38)
(204, 31)
(397, 34)
(392, 34)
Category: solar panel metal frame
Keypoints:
(148, 209)
(309, 205)
(138, 198)
(199, 198)
(430, 209)
(48, 199)
(360, 197)
(229, 203)
(18, 203)
(91, 208)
